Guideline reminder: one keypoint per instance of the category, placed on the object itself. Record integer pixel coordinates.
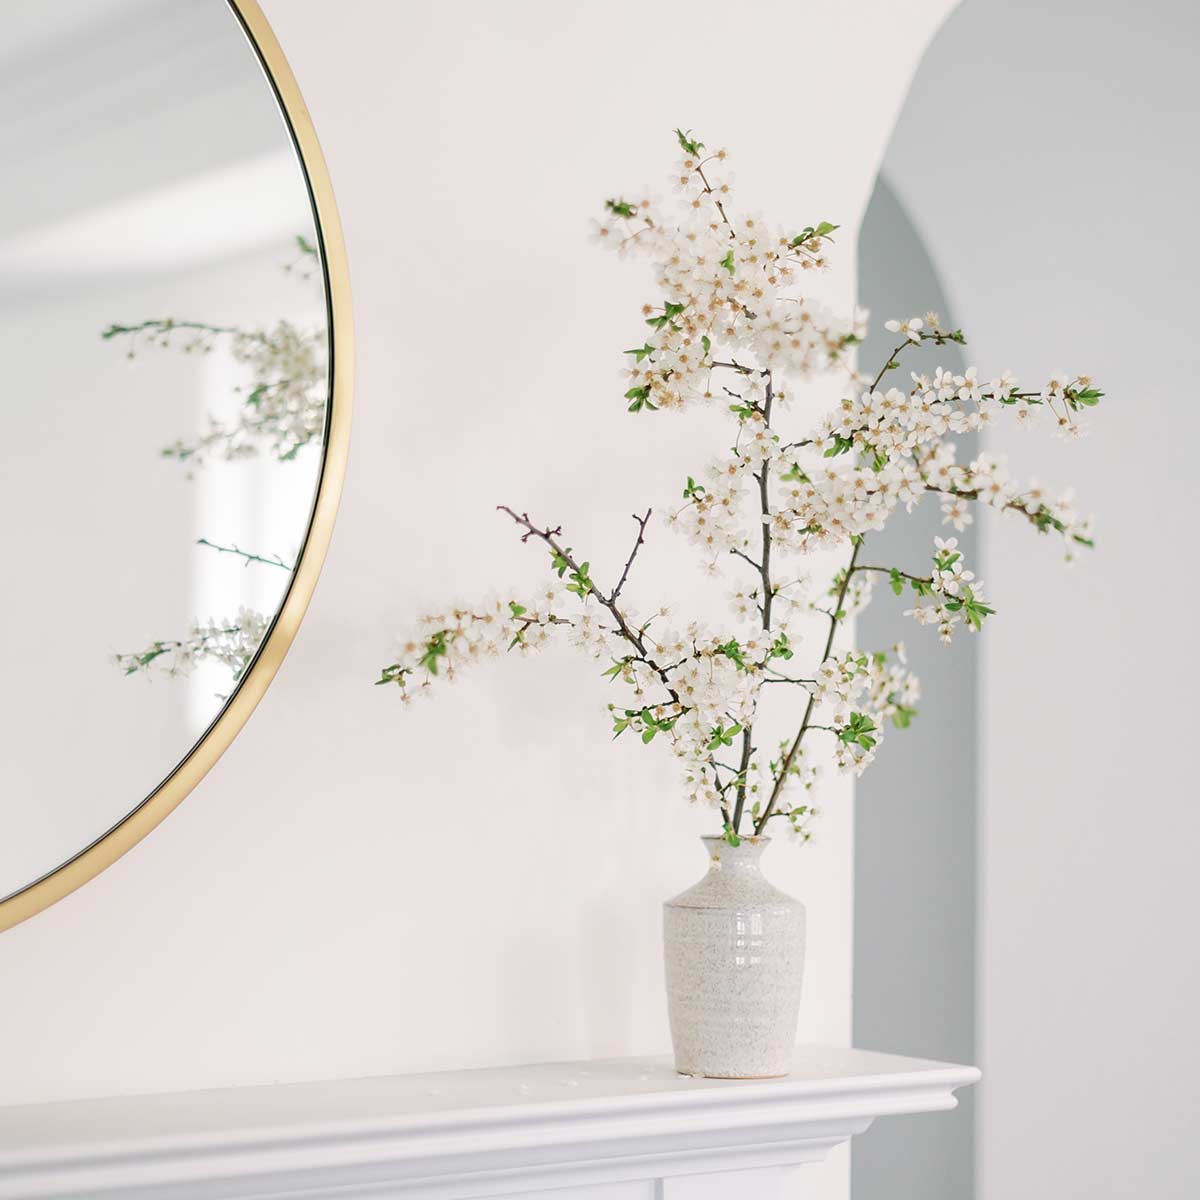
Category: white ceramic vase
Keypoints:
(734, 948)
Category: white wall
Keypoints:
(1047, 153)
(355, 890)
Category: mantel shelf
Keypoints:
(459, 1134)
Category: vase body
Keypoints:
(734, 947)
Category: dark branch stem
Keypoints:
(270, 561)
(902, 574)
(169, 325)
(891, 358)
(768, 595)
(794, 748)
(641, 538)
(632, 636)
(720, 206)
(745, 557)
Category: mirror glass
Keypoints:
(164, 334)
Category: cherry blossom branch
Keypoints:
(167, 325)
(641, 538)
(633, 637)
(1040, 518)
(272, 560)
(764, 570)
(794, 748)
(893, 361)
(746, 558)
(894, 571)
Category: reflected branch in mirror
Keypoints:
(268, 560)
(232, 642)
(283, 407)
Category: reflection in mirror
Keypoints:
(163, 322)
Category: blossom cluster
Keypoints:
(232, 642)
(731, 330)
(284, 407)
(731, 291)
(450, 639)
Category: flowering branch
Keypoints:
(233, 643)
(732, 331)
(272, 560)
(782, 774)
(584, 586)
(641, 538)
(283, 408)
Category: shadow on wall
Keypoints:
(1048, 150)
(915, 816)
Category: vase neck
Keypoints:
(744, 857)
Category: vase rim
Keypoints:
(750, 839)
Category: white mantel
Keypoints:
(622, 1129)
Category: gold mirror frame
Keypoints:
(195, 765)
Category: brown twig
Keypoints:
(794, 748)
(641, 538)
(633, 637)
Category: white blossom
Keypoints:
(731, 329)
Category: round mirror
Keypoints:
(175, 325)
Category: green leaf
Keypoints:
(689, 144)
(727, 261)
(581, 582)
(858, 730)
(670, 311)
(517, 610)
(780, 648)
(706, 342)
(435, 648)
(723, 737)
(824, 229)
(897, 581)
(643, 351)
(640, 398)
(693, 490)
(620, 208)
(733, 651)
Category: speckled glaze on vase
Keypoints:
(734, 947)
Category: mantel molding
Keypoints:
(461, 1134)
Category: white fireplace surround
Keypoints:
(622, 1129)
